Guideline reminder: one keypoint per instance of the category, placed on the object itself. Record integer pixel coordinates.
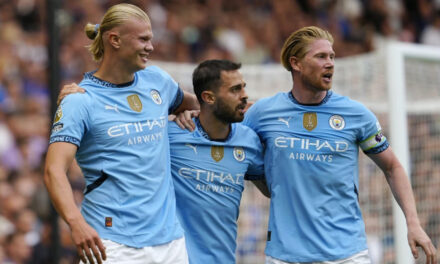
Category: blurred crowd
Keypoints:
(248, 31)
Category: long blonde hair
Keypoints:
(298, 42)
(115, 16)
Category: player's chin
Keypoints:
(239, 117)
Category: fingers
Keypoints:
(184, 119)
(69, 89)
(96, 253)
(81, 254)
(430, 252)
(414, 250)
(101, 248)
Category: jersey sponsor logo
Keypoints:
(310, 120)
(58, 114)
(57, 127)
(112, 107)
(155, 95)
(211, 176)
(285, 121)
(311, 144)
(337, 122)
(239, 154)
(217, 153)
(136, 127)
(191, 146)
(134, 102)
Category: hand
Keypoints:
(69, 89)
(184, 119)
(87, 242)
(418, 238)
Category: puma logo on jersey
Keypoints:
(282, 120)
(111, 107)
(193, 147)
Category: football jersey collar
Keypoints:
(205, 134)
(326, 98)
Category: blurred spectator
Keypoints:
(431, 34)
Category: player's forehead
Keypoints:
(320, 46)
(231, 78)
(137, 27)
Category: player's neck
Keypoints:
(216, 129)
(111, 72)
(307, 96)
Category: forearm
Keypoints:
(402, 192)
(61, 194)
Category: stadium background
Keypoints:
(185, 33)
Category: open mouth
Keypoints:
(328, 76)
(144, 57)
(241, 108)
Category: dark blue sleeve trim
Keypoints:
(378, 149)
(249, 177)
(68, 139)
(177, 101)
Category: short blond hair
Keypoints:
(298, 42)
(115, 16)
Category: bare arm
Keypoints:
(189, 103)
(402, 192)
(59, 158)
(186, 111)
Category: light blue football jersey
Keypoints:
(208, 178)
(123, 151)
(311, 167)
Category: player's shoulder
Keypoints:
(271, 100)
(154, 72)
(347, 102)
(174, 130)
(80, 99)
(244, 133)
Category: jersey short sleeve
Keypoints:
(371, 139)
(174, 92)
(255, 170)
(71, 119)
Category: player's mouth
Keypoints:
(328, 77)
(241, 108)
(144, 57)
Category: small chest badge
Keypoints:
(337, 122)
(58, 115)
(239, 154)
(217, 153)
(310, 120)
(134, 102)
(155, 95)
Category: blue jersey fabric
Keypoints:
(123, 151)
(208, 178)
(311, 167)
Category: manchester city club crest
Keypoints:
(310, 121)
(337, 122)
(217, 153)
(58, 115)
(134, 102)
(155, 95)
(239, 154)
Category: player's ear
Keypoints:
(208, 97)
(114, 39)
(294, 63)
